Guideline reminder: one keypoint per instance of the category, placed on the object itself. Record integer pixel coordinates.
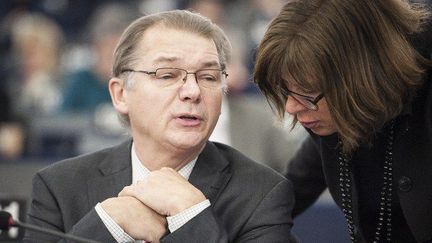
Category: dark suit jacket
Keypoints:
(249, 202)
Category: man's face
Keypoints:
(177, 117)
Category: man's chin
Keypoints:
(188, 142)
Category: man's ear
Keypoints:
(118, 95)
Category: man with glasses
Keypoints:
(168, 183)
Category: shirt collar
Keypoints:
(140, 172)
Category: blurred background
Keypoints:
(55, 63)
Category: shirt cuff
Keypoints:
(180, 219)
(116, 231)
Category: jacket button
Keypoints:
(405, 184)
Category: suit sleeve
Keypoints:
(270, 222)
(306, 173)
(45, 212)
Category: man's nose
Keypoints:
(190, 89)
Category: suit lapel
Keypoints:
(115, 173)
(211, 172)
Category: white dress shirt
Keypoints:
(140, 172)
(221, 133)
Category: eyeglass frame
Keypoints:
(311, 100)
(224, 73)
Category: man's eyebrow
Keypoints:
(163, 59)
(172, 59)
(211, 64)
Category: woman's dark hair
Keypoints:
(356, 52)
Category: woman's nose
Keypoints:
(292, 106)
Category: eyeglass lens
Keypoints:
(207, 78)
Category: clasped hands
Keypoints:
(141, 209)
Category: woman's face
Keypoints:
(318, 121)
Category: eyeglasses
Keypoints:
(205, 78)
(308, 101)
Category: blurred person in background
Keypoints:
(167, 183)
(12, 130)
(357, 75)
(86, 89)
(34, 84)
(252, 17)
(212, 9)
(31, 45)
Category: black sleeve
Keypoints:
(306, 173)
